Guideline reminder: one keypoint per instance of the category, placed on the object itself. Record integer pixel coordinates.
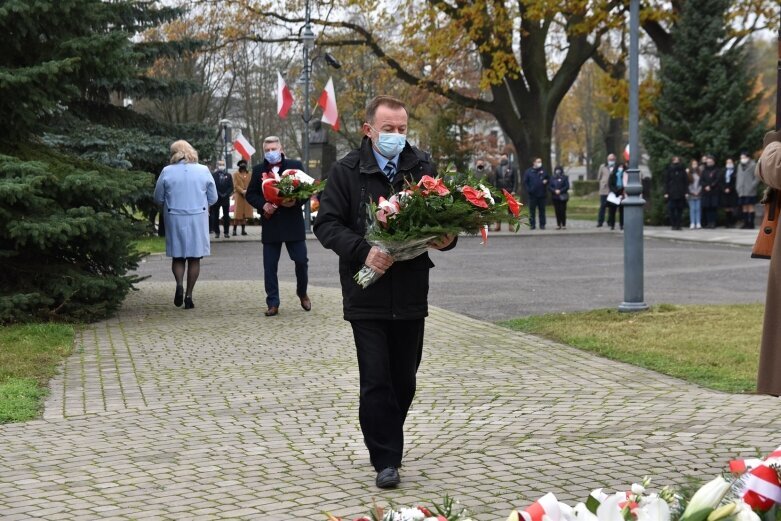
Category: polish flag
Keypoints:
(243, 147)
(284, 97)
(327, 102)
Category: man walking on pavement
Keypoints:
(280, 224)
(224, 183)
(387, 318)
(603, 177)
(535, 181)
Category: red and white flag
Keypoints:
(327, 102)
(284, 97)
(243, 147)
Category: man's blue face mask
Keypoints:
(273, 156)
(389, 144)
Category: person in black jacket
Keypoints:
(387, 318)
(676, 188)
(729, 195)
(559, 189)
(505, 177)
(535, 183)
(224, 183)
(616, 185)
(710, 179)
(280, 224)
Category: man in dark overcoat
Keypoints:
(387, 317)
(282, 224)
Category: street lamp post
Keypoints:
(308, 39)
(226, 135)
(633, 203)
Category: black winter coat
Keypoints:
(224, 183)
(729, 199)
(402, 292)
(710, 177)
(286, 224)
(676, 182)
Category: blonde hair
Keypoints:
(183, 150)
(272, 139)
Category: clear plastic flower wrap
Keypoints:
(409, 221)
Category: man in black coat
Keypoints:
(387, 317)
(676, 187)
(224, 183)
(281, 224)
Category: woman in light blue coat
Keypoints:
(185, 190)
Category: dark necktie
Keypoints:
(390, 171)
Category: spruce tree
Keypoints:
(66, 209)
(706, 103)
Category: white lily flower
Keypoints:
(637, 489)
(705, 500)
(653, 508)
(609, 509)
(411, 514)
(486, 193)
(582, 513)
(745, 513)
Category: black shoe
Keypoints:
(234, 232)
(216, 235)
(178, 296)
(188, 303)
(226, 235)
(388, 478)
(244, 233)
(599, 226)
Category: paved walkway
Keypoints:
(221, 413)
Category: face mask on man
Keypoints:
(537, 164)
(389, 144)
(273, 156)
(611, 164)
(730, 165)
(743, 160)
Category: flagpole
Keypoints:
(308, 38)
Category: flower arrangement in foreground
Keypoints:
(290, 185)
(449, 510)
(405, 224)
(751, 492)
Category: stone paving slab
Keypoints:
(222, 413)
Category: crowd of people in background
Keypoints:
(707, 188)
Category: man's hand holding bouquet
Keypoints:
(287, 189)
(431, 213)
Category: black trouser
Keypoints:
(560, 207)
(214, 215)
(611, 214)
(709, 216)
(389, 353)
(537, 203)
(675, 207)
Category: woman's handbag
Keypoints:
(763, 246)
(564, 196)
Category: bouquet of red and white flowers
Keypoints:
(449, 510)
(290, 185)
(405, 224)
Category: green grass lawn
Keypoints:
(713, 346)
(29, 356)
(582, 207)
(150, 245)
